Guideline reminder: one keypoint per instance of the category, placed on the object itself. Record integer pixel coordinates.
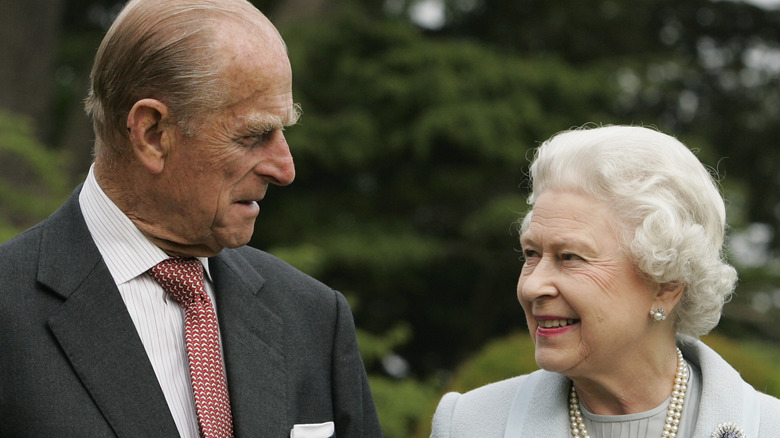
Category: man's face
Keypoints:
(214, 180)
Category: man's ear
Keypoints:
(669, 295)
(149, 127)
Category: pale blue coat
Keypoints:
(483, 412)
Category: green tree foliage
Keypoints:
(401, 403)
(413, 144)
(413, 147)
(32, 179)
(412, 151)
(411, 155)
(698, 68)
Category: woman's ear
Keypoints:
(148, 125)
(669, 294)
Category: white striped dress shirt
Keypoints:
(158, 318)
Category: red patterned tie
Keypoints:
(182, 279)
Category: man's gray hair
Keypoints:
(164, 50)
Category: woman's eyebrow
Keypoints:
(572, 242)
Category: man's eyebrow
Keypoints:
(260, 124)
(295, 114)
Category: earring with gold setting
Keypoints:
(658, 314)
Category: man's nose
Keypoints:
(279, 167)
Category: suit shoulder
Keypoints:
(281, 277)
(19, 259)
(286, 290)
(22, 241)
(770, 404)
(478, 412)
(270, 266)
(770, 415)
(21, 250)
(501, 390)
(257, 256)
(496, 395)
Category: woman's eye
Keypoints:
(529, 254)
(569, 257)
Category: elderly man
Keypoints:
(136, 310)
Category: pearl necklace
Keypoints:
(672, 416)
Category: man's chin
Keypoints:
(208, 246)
(198, 250)
(236, 238)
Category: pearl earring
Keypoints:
(658, 314)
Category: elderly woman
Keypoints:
(623, 272)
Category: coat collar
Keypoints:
(99, 339)
(548, 412)
(95, 330)
(723, 393)
(721, 398)
(252, 341)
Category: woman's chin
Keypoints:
(553, 361)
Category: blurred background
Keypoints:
(413, 150)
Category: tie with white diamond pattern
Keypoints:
(182, 279)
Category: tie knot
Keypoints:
(181, 278)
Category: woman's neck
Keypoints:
(630, 386)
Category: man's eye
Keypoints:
(255, 139)
(568, 257)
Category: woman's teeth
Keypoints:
(553, 323)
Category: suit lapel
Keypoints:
(548, 414)
(96, 332)
(722, 402)
(251, 337)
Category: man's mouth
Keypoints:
(556, 323)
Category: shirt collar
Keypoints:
(126, 251)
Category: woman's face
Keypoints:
(585, 302)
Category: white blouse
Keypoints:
(648, 424)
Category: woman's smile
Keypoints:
(548, 327)
(553, 323)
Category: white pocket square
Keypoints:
(320, 430)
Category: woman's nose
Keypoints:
(537, 282)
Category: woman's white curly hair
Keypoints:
(672, 213)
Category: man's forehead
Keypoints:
(249, 32)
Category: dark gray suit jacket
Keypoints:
(72, 363)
